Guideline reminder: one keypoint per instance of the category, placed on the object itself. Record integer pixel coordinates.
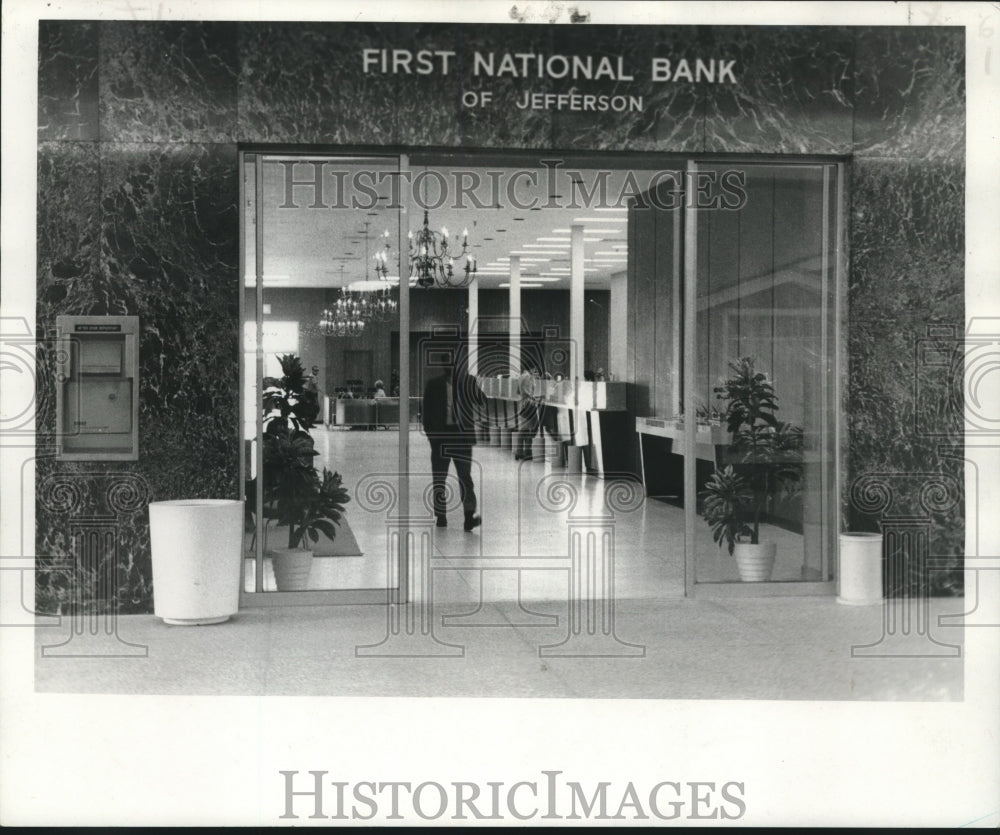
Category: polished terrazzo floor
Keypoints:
(497, 615)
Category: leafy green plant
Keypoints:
(287, 401)
(295, 494)
(765, 457)
(728, 503)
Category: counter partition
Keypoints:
(590, 415)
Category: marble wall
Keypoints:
(137, 214)
(906, 294)
(139, 125)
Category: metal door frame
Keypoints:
(394, 591)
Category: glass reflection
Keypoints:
(316, 413)
(764, 385)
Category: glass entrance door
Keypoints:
(722, 278)
(760, 381)
(321, 411)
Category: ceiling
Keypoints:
(316, 236)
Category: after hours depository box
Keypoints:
(97, 377)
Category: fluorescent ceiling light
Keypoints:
(366, 286)
(589, 230)
(600, 220)
(609, 252)
(554, 247)
(564, 240)
(523, 284)
(537, 252)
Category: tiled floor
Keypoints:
(498, 620)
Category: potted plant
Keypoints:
(287, 400)
(764, 462)
(296, 497)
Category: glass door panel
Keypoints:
(764, 337)
(321, 301)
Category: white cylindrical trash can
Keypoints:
(197, 546)
(860, 569)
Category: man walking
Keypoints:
(452, 402)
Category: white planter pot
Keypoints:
(860, 569)
(197, 546)
(755, 562)
(291, 568)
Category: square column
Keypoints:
(574, 453)
(576, 302)
(515, 315)
(618, 324)
(473, 327)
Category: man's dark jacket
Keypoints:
(468, 402)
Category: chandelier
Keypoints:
(381, 257)
(383, 304)
(348, 315)
(346, 318)
(363, 301)
(431, 260)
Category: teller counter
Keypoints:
(591, 417)
(368, 412)
(661, 455)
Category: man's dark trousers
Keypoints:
(445, 451)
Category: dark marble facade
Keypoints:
(139, 125)
(909, 100)
(168, 81)
(794, 95)
(906, 292)
(146, 230)
(301, 84)
(67, 80)
(673, 114)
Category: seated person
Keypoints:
(312, 381)
(379, 390)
